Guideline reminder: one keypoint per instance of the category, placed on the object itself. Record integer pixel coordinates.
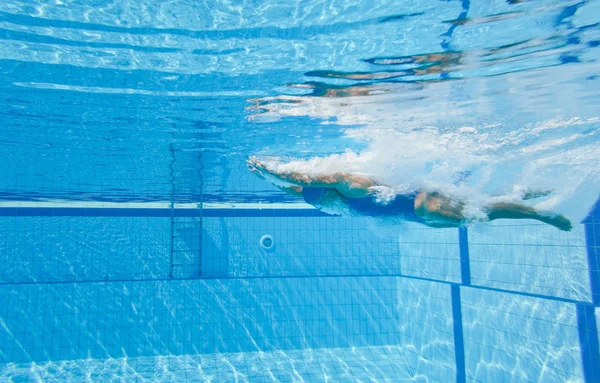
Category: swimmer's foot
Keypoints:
(558, 221)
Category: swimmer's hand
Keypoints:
(257, 167)
(533, 194)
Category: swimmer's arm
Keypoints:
(349, 185)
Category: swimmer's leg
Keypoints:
(438, 210)
(516, 211)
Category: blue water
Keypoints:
(130, 225)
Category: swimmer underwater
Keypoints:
(353, 194)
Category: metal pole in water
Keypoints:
(172, 170)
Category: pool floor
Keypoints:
(361, 364)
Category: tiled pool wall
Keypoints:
(503, 301)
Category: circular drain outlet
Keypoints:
(267, 242)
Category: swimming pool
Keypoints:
(136, 245)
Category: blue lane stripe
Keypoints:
(465, 266)
(155, 212)
(459, 341)
(588, 341)
(592, 241)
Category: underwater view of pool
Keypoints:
(300, 191)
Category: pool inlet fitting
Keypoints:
(267, 242)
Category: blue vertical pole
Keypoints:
(201, 262)
(588, 341)
(592, 241)
(586, 318)
(172, 173)
(459, 341)
(465, 267)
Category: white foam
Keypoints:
(476, 164)
(478, 140)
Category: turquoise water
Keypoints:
(130, 242)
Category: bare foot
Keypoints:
(560, 222)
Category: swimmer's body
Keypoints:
(353, 194)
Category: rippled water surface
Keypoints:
(116, 100)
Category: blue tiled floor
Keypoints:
(363, 364)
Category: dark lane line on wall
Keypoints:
(591, 225)
(465, 265)
(592, 241)
(588, 341)
(172, 207)
(156, 212)
(459, 341)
